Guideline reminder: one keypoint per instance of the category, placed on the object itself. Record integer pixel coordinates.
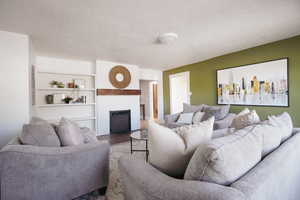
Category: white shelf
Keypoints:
(67, 89)
(74, 119)
(68, 74)
(61, 105)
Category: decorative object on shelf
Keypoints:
(56, 84)
(259, 84)
(81, 99)
(79, 83)
(68, 99)
(49, 99)
(58, 98)
(71, 85)
(119, 77)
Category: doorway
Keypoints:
(149, 100)
(155, 101)
(179, 91)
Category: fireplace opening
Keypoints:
(120, 121)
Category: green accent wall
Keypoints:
(203, 76)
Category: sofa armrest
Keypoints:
(224, 123)
(141, 181)
(32, 172)
(171, 118)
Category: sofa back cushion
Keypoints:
(170, 150)
(284, 123)
(187, 108)
(224, 160)
(219, 112)
(39, 133)
(276, 177)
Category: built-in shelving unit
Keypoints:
(67, 89)
(59, 105)
(74, 119)
(68, 74)
(52, 69)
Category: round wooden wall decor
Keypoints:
(119, 76)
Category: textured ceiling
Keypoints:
(126, 30)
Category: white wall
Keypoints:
(14, 84)
(106, 103)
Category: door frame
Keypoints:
(187, 76)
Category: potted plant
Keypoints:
(56, 84)
(67, 99)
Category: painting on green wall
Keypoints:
(259, 84)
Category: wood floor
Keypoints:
(115, 138)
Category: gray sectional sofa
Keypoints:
(222, 121)
(31, 172)
(47, 173)
(275, 177)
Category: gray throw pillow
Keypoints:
(69, 133)
(89, 136)
(187, 108)
(39, 135)
(226, 159)
(219, 112)
(37, 120)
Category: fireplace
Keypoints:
(120, 121)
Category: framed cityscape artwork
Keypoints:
(259, 84)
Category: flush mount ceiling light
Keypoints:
(167, 38)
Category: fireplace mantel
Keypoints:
(117, 92)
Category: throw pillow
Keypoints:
(271, 136)
(187, 108)
(245, 120)
(37, 120)
(88, 135)
(185, 118)
(69, 133)
(170, 152)
(219, 112)
(198, 116)
(39, 134)
(236, 120)
(284, 122)
(226, 159)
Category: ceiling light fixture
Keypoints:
(167, 38)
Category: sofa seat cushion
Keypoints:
(219, 112)
(225, 159)
(69, 133)
(170, 150)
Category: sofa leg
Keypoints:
(102, 191)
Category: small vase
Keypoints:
(49, 99)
